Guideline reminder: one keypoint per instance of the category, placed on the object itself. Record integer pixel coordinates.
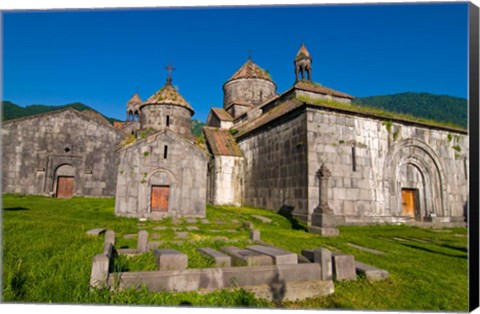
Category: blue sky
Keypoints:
(101, 57)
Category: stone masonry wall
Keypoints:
(35, 147)
(155, 117)
(371, 160)
(254, 91)
(228, 180)
(164, 159)
(275, 171)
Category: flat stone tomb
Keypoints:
(221, 260)
(169, 259)
(96, 231)
(281, 257)
(242, 257)
(372, 273)
(365, 249)
(262, 218)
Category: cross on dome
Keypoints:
(169, 68)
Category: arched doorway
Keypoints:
(64, 181)
(414, 182)
(162, 189)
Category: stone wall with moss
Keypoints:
(162, 159)
(34, 147)
(372, 160)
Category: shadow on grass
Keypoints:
(286, 211)
(453, 247)
(431, 251)
(16, 208)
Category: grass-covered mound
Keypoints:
(47, 256)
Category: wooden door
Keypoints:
(160, 195)
(408, 202)
(64, 187)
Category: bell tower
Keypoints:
(303, 63)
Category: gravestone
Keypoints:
(324, 258)
(254, 235)
(181, 235)
(110, 237)
(221, 260)
(280, 257)
(343, 266)
(372, 273)
(323, 217)
(262, 218)
(152, 245)
(241, 257)
(142, 241)
(96, 231)
(169, 259)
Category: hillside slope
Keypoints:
(441, 108)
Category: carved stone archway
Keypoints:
(419, 155)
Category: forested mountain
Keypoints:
(429, 106)
(424, 105)
(13, 111)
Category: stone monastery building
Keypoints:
(262, 149)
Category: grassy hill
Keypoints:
(47, 257)
(440, 108)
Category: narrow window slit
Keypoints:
(168, 120)
(354, 161)
(165, 152)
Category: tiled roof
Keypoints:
(135, 100)
(302, 53)
(168, 95)
(269, 116)
(251, 70)
(221, 142)
(315, 88)
(222, 114)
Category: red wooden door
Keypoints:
(160, 195)
(64, 187)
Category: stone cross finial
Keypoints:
(323, 172)
(169, 68)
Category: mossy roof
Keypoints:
(291, 102)
(135, 100)
(222, 114)
(251, 70)
(317, 88)
(168, 95)
(221, 142)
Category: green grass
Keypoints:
(47, 257)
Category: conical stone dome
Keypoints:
(251, 70)
(249, 86)
(168, 95)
